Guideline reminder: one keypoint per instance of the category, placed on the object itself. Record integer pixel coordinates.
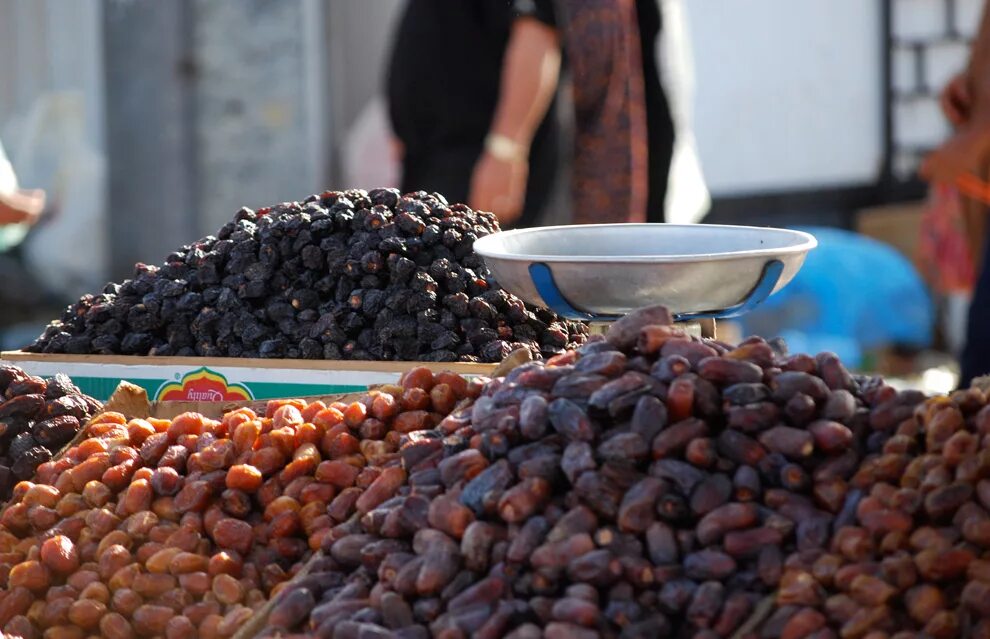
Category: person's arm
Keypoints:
(978, 69)
(530, 70)
(966, 102)
(21, 206)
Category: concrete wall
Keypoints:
(149, 74)
(45, 46)
(199, 107)
(211, 106)
(255, 143)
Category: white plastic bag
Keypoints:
(688, 199)
(369, 153)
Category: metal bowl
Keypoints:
(613, 269)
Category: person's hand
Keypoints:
(22, 206)
(396, 148)
(969, 148)
(957, 99)
(499, 185)
(965, 152)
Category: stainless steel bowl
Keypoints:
(612, 269)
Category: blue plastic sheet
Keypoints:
(853, 294)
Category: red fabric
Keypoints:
(943, 252)
(610, 181)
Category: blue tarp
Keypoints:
(853, 294)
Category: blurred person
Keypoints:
(470, 85)
(483, 130)
(17, 205)
(966, 103)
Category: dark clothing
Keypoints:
(659, 125)
(976, 352)
(443, 87)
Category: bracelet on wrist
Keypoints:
(503, 148)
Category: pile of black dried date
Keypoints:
(37, 418)
(654, 484)
(341, 275)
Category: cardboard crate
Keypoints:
(133, 402)
(224, 379)
(898, 225)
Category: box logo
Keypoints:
(202, 385)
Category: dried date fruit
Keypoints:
(651, 483)
(59, 554)
(35, 424)
(339, 275)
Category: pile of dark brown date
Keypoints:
(913, 559)
(37, 417)
(647, 484)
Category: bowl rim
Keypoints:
(481, 245)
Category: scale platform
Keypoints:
(600, 272)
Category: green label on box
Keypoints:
(213, 380)
(102, 388)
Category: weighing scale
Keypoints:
(597, 273)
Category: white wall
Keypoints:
(789, 93)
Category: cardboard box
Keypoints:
(897, 224)
(203, 379)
